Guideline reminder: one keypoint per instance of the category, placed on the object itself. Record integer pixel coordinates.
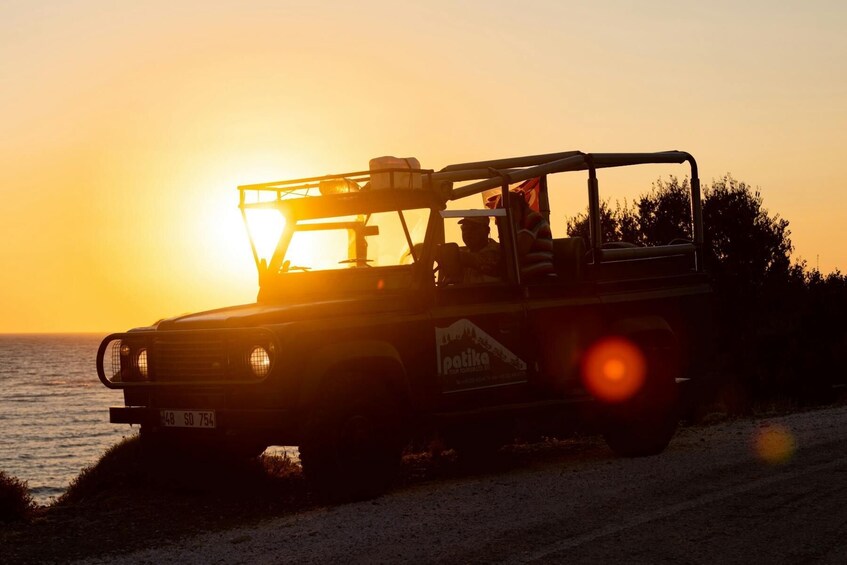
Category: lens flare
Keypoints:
(613, 369)
(774, 444)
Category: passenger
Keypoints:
(481, 259)
(534, 241)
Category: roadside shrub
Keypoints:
(15, 500)
(280, 466)
(131, 466)
(779, 331)
(120, 466)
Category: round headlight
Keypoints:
(141, 362)
(259, 361)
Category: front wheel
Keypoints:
(353, 441)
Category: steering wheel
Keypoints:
(359, 262)
(287, 266)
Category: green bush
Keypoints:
(15, 501)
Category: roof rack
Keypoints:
(307, 187)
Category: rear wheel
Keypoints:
(353, 440)
(645, 424)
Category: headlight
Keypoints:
(259, 360)
(141, 362)
(132, 363)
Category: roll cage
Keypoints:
(502, 173)
(302, 200)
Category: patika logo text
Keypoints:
(469, 358)
(467, 361)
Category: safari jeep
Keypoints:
(364, 334)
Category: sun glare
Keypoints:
(613, 369)
(265, 227)
(318, 250)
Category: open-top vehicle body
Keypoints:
(364, 333)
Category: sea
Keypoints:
(54, 411)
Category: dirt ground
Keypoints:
(124, 507)
(737, 491)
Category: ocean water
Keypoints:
(54, 412)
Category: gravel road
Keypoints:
(768, 491)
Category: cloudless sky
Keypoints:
(126, 127)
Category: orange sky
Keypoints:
(126, 130)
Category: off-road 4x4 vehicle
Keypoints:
(364, 334)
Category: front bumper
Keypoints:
(274, 421)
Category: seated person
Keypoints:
(534, 240)
(481, 259)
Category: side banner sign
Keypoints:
(469, 358)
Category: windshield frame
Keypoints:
(296, 213)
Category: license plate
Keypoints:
(187, 418)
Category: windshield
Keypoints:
(383, 239)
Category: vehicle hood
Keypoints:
(251, 315)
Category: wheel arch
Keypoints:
(375, 360)
(642, 328)
(656, 339)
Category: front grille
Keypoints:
(191, 357)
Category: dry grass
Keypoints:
(16, 504)
(129, 500)
(129, 467)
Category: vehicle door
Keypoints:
(478, 329)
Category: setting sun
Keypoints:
(128, 129)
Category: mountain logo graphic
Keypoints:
(468, 357)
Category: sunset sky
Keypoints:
(127, 129)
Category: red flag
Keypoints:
(530, 189)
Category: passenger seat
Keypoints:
(568, 256)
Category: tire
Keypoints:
(353, 440)
(644, 425)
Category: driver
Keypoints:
(481, 259)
